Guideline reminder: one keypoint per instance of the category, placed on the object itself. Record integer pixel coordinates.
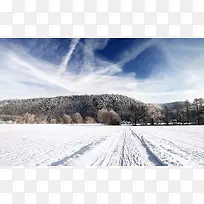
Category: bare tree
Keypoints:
(179, 112)
(135, 109)
(101, 114)
(154, 113)
(198, 104)
(29, 118)
(66, 119)
(187, 106)
(139, 113)
(108, 117)
(112, 118)
(53, 121)
(76, 117)
(166, 115)
(89, 120)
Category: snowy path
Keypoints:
(178, 145)
(97, 145)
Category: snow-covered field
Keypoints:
(98, 145)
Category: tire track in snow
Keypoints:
(170, 154)
(121, 162)
(112, 145)
(151, 156)
(130, 156)
(165, 154)
(65, 161)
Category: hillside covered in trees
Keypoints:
(108, 109)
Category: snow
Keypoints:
(99, 145)
(175, 145)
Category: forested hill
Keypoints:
(86, 105)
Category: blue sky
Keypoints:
(150, 70)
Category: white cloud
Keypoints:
(24, 76)
(66, 59)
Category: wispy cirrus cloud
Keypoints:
(82, 71)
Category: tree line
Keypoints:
(176, 113)
(105, 109)
(104, 116)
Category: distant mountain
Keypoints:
(171, 104)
